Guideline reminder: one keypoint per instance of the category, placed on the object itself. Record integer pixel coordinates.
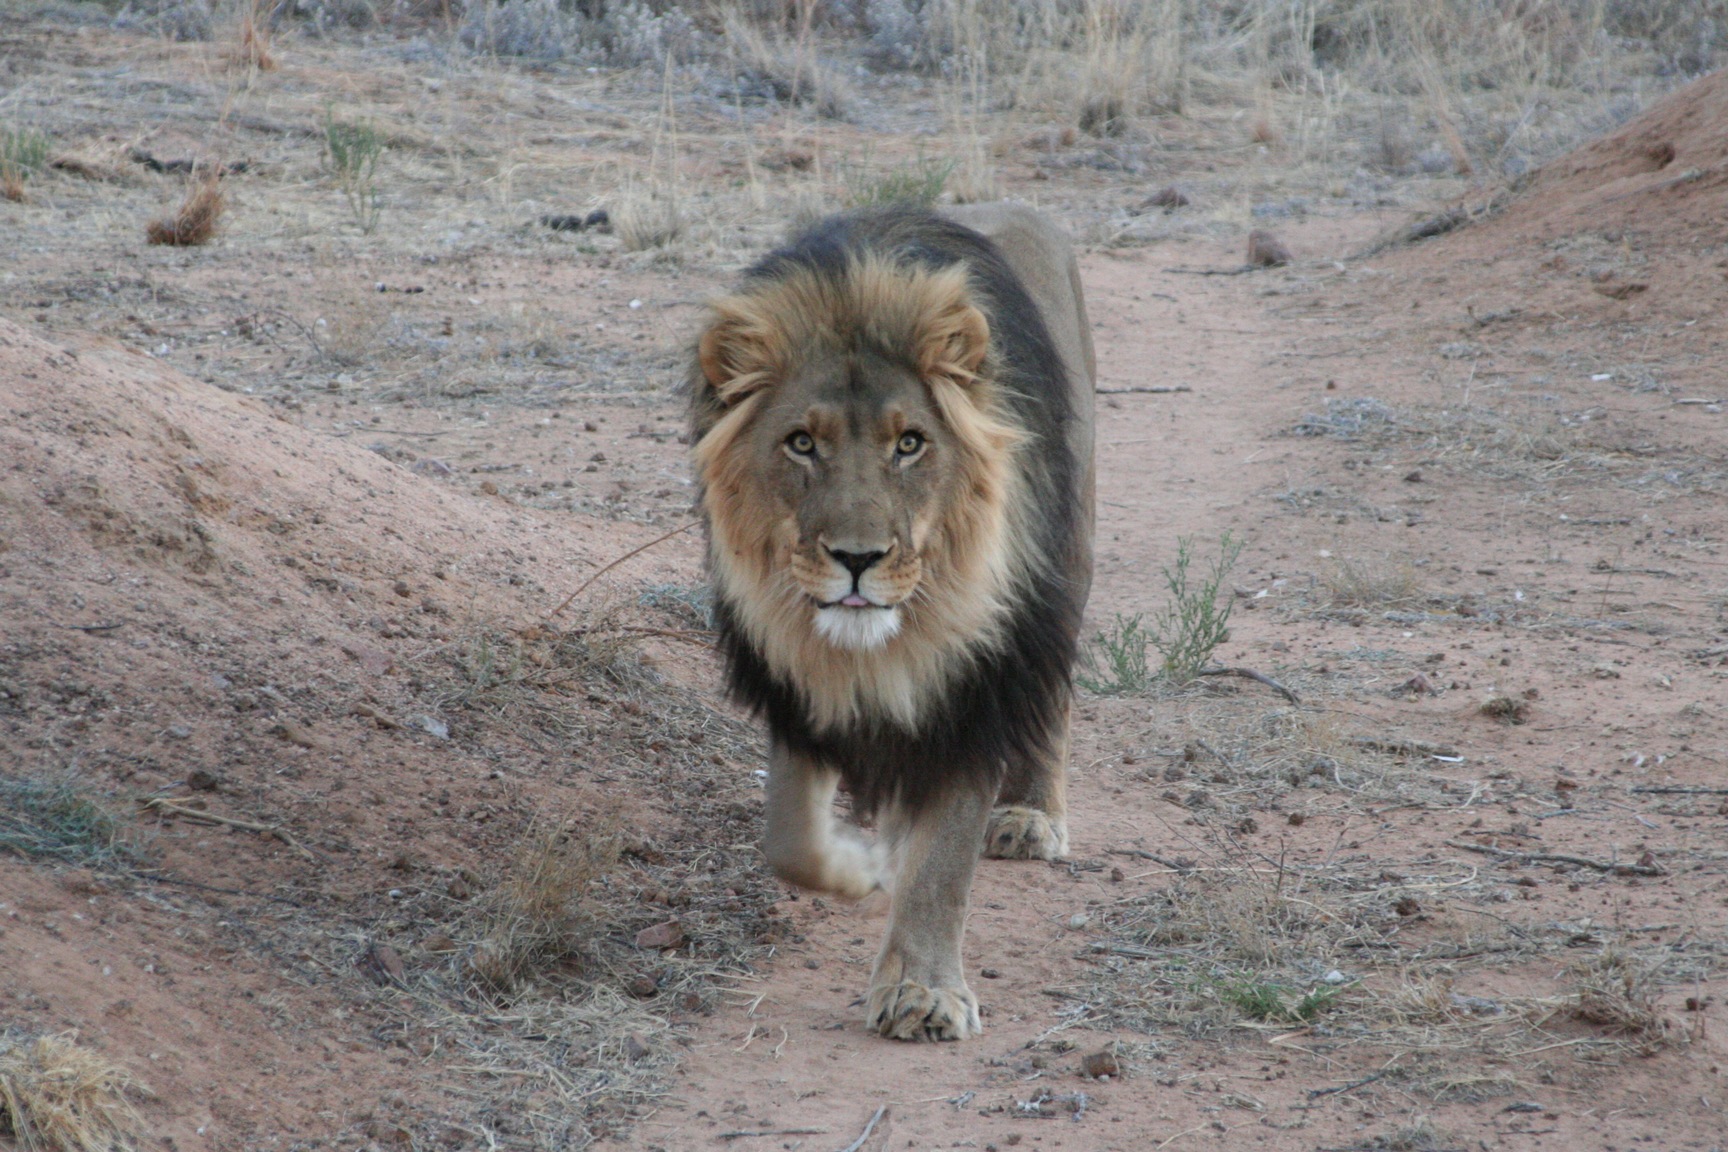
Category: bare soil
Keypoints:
(1480, 480)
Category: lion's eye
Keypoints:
(801, 444)
(909, 444)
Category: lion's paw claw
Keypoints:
(1017, 833)
(912, 1011)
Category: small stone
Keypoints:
(440, 943)
(1413, 477)
(1096, 1064)
(668, 934)
(458, 889)
(1117, 875)
(488, 487)
(636, 1048)
(431, 725)
(1079, 920)
(401, 588)
(294, 734)
(179, 731)
(990, 973)
(1168, 197)
(1407, 906)
(1605, 672)
(643, 987)
(203, 780)
(1296, 819)
(1266, 250)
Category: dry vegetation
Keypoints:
(58, 1096)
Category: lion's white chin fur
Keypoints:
(857, 629)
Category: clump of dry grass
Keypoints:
(254, 34)
(539, 914)
(1371, 584)
(647, 220)
(58, 1096)
(1616, 991)
(1506, 709)
(194, 222)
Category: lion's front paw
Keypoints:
(911, 1011)
(1017, 833)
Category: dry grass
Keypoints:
(1372, 584)
(541, 912)
(254, 36)
(1618, 991)
(58, 1096)
(194, 222)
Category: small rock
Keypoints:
(438, 942)
(381, 964)
(1079, 920)
(669, 934)
(1266, 250)
(1296, 819)
(431, 725)
(1117, 875)
(294, 734)
(203, 780)
(1605, 672)
(990, 973)
(1096, 1064)
(458, 889)
(179, 731)
(488, 487)
(1413, 477)
(643, 987)
(1335, 977)
(1407, 906)
(636, 1048)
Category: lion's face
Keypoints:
(853, 463)
(856, 474)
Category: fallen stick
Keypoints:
(1558, 858)
(1316, 1093)
(164, 804)
(772, 1132)
(1155, 389)
(1257, 677)
(1214, 271)
(1403, 747)
(1659, 790)
(620, 560)
(1138, 854)
(868, 1128)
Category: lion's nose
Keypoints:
(856, 563)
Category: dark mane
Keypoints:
(998, 713)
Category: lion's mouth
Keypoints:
(852, 600)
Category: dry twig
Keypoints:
(1615, 867)
(1257, 677)
(166, 804)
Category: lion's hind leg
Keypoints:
(1030, 820)
(804, 843)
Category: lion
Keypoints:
(891, 429)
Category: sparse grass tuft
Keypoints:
(920, 183)
(23, 153)
(194, 222)
(254, 33)
(1616, 991)
(1507, 709)
(60, 818)
(1371, 584)
(644, 220)
(1276, 1003)
(58, 1096)
(353, 149)
(540, 913)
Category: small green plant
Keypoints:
(354, 148)
(1194, 621)
(1261, 1000)
(23, 153)
(1186, 631)
(921, 184)
(58, 817)
(1115, 663)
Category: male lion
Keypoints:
(892, 433)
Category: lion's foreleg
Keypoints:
(1031, 818)
(804, 843)
(918, 991)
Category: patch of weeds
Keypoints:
(353, 149)
(1261, 1000)
(194, 222)
(530, 672)
(541, 913)
(1418, 1136)
(1349, 418)
(1115, 663)
(692, 605)
(1506, 709)
(60, 818)
(1617, 992)
(1186, 631)
(921, 183)
(644, 221)
(58, 1096)
(1195, 620)
(23, 153)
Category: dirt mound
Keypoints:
(1666, 169)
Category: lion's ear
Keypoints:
(736, 351)
(954, 340)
